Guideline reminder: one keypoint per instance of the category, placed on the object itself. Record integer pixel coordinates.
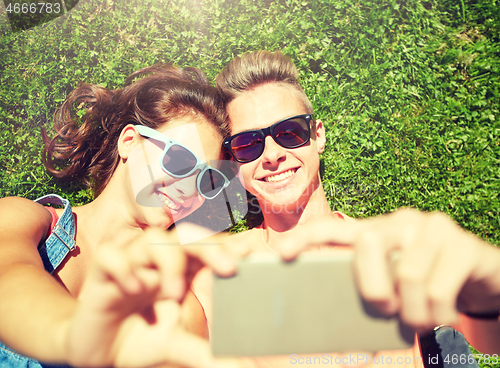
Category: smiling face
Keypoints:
(280, 176)
(153, 187)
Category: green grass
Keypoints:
(409, 90)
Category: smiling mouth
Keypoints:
(279, 177)
(162, 197)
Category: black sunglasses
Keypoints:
(288, 133)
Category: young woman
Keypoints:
(115, 290)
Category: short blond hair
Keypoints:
(252, 69)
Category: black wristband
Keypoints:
(484, 315)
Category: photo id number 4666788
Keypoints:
(32, 8)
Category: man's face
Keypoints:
(279, 176)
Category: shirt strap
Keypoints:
(62, 239)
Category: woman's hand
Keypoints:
(130, 309)
(439, 266)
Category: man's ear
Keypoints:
(129, 138)
(320, 135)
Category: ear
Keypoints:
(129, 138)
(320, 135)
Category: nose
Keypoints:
(273, 152)
(186, 187)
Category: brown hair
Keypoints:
(250, 70)
(86, 148)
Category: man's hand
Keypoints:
(439, 266)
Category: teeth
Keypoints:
(279, 177)
(168, 202)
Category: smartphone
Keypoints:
(310, 305)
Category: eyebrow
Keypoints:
(267, 126)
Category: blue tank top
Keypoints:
(52, 252)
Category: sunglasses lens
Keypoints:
(211, 183)
(178, 160)
(247, 147)
(292, 133)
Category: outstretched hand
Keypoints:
(440, 269)
(130, 309)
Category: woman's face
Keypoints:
(170, 198)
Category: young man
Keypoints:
(280, 165)
(261, 90)
(278, 143)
